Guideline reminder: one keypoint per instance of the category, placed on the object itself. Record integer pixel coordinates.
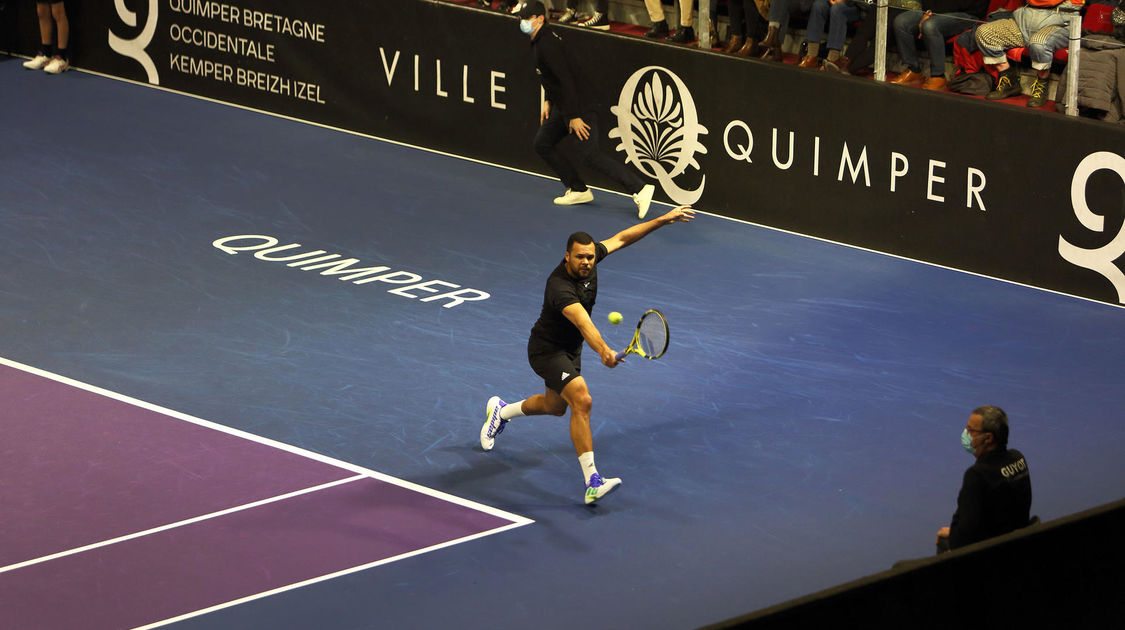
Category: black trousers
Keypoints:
(556, 130)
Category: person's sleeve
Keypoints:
(562, 295)
(566, 102)
(965, 528)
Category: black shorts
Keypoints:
(556, 368)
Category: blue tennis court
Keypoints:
(801, 431)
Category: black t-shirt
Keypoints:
(995, 498)
(561, 76)
(553, 331)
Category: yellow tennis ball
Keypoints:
(615, 318)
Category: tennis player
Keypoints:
(554, 348)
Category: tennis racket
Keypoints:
(651, 338)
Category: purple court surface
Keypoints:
(120, 502)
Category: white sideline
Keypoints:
(189, 521)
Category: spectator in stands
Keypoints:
(569, 112)
(995, 496)
(860, 55)
(838, 14)
(747, 26)
(1040, 29)
(599, 20)
(780, 10)
(940, 20)
(52, 18)
(683, 35)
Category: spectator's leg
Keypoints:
(906, 31)
(994, 39)
(934, 33)
(814, 32)
(685, 34)
(1043, 45)
(775, 33)
(736, 32)
(1041, 48)
(756, 18)
(686, 17)
(659, 28)
(839, 17)
(58, 12)
(46, 26)
(593, 158)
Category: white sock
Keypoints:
(586, 460)
(511, 410)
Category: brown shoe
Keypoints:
(908, 77)
(772, 38)
(734, 42)
(748, 49)
(934, 83)
(809, 61)
(770, 54)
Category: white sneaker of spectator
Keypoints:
(597, 21)
(58, 65)
(37, 62)
(568, 16)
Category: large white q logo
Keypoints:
(1103, 258)
(660, 129)
(135, 48)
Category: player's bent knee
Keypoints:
(582, 402)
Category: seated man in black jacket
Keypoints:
(995, 495)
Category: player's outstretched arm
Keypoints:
(624, 238)
(581, 320)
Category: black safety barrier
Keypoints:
(1065, 573)
(1024, 195)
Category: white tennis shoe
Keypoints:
(493, 424)
(58, 65)
(37, 62)
(598, 487)
(571, 197)
(643, 199)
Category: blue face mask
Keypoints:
(526, 27)
(967, 442)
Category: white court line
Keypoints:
(322, 578)
(359, 470)
(542, 176)
(195, 519)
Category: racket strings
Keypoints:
(652, 336)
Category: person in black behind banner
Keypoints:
(568, 109)
(995, 495)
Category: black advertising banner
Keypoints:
(1024, 195)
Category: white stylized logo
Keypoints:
(135, 48)
(659, 129)
(1103, 259)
